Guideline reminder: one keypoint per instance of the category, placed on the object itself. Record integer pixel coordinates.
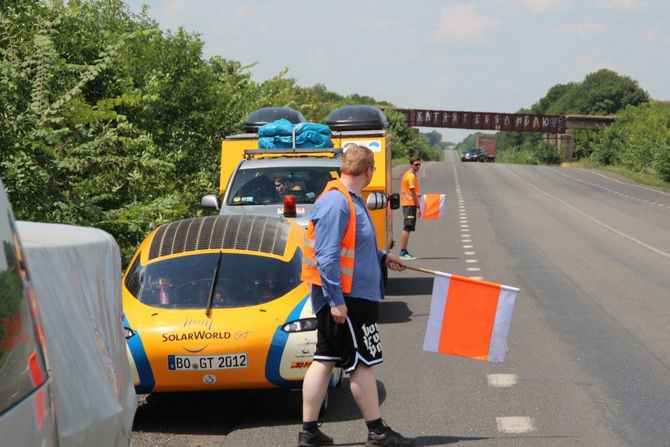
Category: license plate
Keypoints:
(207, 362)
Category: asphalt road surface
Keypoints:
(588, 359)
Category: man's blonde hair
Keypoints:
(357, 159)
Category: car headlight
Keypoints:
(302, 325)
(128, 332)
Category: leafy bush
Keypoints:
(639, 140)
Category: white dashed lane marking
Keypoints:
(626, 196)
(501, 380)
(515, 424)
(509, 424)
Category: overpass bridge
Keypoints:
(555, 128)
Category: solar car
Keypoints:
(216, 303)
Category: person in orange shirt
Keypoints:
(409, 200)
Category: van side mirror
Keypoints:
(394, 200)
(210, 202)
(376, 201)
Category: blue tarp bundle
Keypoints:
(278, 135)
(278, 128)
(312, 135)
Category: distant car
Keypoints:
(474, 154)
(26, 387)
(216, 303)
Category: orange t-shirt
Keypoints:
(408, 182)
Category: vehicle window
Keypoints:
(268, 186)
(185, 282)
(133, 281)
(21, 363)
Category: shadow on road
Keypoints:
(410, 286)
(391, 312)
(442, 440)
(221, 412)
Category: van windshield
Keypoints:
(185, 282)
(268, 186)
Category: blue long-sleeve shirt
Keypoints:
(330, 215)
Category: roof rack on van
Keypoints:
(324, 152)
(265, 115)
(357, 117)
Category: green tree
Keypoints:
(108, 121)
(638, 140)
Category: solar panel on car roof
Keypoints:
(255, 233)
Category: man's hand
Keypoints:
(418, 212)
(394, 263)
(339, 313)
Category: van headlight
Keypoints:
(302, 325)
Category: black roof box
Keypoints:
(357, 117)
(268, 114)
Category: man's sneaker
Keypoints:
(308, 439)
(404, 254)
(388, 438)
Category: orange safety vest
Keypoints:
(406, 198)
(310, 271)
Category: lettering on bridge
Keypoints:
(519, 122)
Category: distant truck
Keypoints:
(488, 144)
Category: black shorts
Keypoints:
(409, 213)
(355, 341)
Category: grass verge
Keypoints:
(637, 177)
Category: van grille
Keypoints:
(254, 233)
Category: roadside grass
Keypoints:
(637, 177)
(519, 157)
(399, 161)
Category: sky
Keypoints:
(486, 56)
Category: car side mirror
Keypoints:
(394, 200)
(210, 202)
(376, 201)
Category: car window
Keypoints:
(268, 186)
(185, 282)
(21, 364)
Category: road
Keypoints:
(589, 347)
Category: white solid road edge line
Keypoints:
(591, 218)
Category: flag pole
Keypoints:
(419, 269)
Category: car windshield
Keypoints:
(268, 186)
(185, 282)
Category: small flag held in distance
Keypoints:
(469, 318)
(432, 206)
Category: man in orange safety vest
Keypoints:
(343, 265)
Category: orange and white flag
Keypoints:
(469, 318)
(432, 206)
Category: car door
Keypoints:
(26, 411)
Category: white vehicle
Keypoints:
(288, 181)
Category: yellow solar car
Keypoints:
(215, 303)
